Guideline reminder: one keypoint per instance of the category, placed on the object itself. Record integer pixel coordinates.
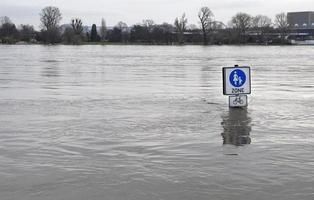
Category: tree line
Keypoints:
(241, 29)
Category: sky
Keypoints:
(134, 11)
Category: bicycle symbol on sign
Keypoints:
(238, 100)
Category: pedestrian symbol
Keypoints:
(237, 78)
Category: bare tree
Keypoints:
(27, 32)
(282, 24)
(74, 35)
(261, 21)
(148, 24)
(77, 26)
(8, 31)
(180, 25)
(242, 22)
(167, 29)
(123, 27)
(216, 32)
(103, 30)
(262, 24)
(206, 16)
(148, 27)
(50, 18)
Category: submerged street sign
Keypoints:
(236, 80)
(238, 101)
(236, 84)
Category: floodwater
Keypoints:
(150, 122)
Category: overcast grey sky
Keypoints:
(134, 11)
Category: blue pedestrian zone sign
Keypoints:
(236, 80)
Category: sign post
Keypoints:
(237, 84)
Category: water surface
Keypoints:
(150, 122)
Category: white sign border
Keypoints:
(225, 81)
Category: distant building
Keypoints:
(301, 20)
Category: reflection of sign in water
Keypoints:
(236, 127)
(237, 78)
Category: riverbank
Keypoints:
(155, 44)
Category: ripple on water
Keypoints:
(150, 122)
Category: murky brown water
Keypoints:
(150, 122)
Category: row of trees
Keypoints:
(241, 29)
(10, 34)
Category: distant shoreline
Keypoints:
(145, 44)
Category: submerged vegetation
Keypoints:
(242, 29)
